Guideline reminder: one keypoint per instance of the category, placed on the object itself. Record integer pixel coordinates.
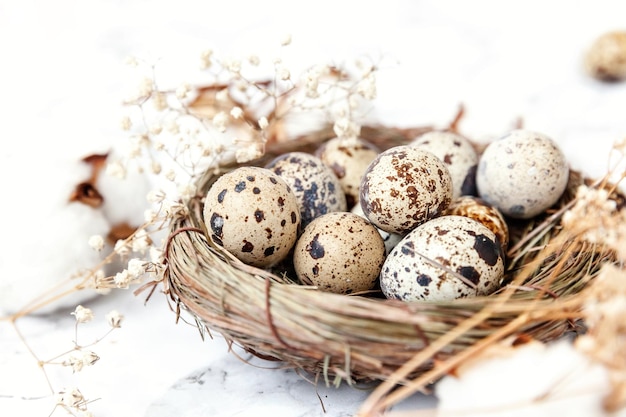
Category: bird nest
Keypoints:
(357, 338)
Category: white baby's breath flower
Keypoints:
(155, 129)
(205, 59)
(155, 196)
(236, 112)
(346, 128)
(122, 279)
(82, 314)
(174, 209)
(159, 101)
(131, 61)
(232, 65)
(263, 123)
(114, 318)
(254, 60)
(78, 359)
(182, 92)
(220, 120)
(367, 87)
(96, 242)
(141, 241)
(286, 40)
(312, 79)
(170, 175)
(71, 397)
(116, 170)
(126, 123)
(149, 215)
(145, 87)
(248, 151)
(136, 268)
(283, 73)
(155, 167)
(187, 191)
(121, 248)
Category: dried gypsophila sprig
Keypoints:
(605, 340)
(80, 356)
(233, 116)
(596, 215)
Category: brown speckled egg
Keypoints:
(348, 158)
(340, 253)
(404, 187)
(390, 239)
(606, 57)
(457, 153)
(443, 259)
(253, 214)
(477, 209)
(315, 185)
(522, 174)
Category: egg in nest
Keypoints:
(340, 253)
(315, 185)
(522, 174)
(348, 158)
(444, 259)
(404, 187)
(457, 153)
(253, 214)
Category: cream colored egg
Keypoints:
(253, 214)
(340, 253)
(390, 239)
(348, 158)
(457, 153)
(444, 259)
(404, 187)
(522, 174)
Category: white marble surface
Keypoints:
(502, 60)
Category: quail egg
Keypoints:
(443, 259)
(253, 214)
(477, 209)
(404, 187)
(457, 153)
(390, 239)
(340, 253)
(522, 174)
(606, 58)
(315, 185)
(348, 158)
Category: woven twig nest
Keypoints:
(366, 337)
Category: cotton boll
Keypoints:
(46, 240)
(531, 380)
(46, 245)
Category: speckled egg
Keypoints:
(253, 214)
(443, 259)
(522, 174)
(404, 187)
(477, 209)
(606, 57)
(315, 185)
(390, 239)
(457, 153)
(348, 158)
(340, 253)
